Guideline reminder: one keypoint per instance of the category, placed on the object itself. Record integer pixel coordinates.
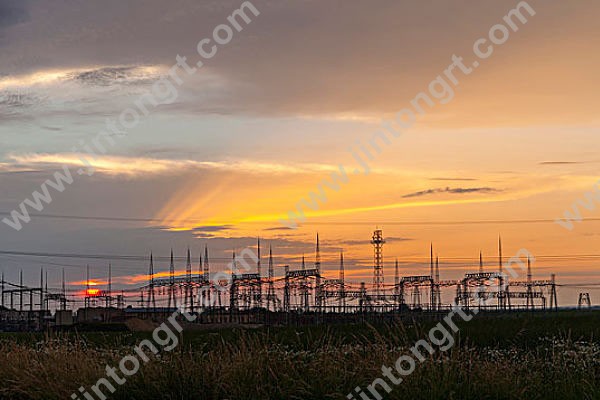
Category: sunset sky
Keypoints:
(276, 111)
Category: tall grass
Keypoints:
(316, 363)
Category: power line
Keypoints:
(95, 218)
(362, 222)
(181, 258)
(140, 258)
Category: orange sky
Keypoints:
(280, 108)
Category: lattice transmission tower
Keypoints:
(377, 242)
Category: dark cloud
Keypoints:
(451, 190)
(13, 12)
(279, 228)
(20, 172)
(85, 93)
(51, 128)
(303, 57)
(212, 228)
(397, 239)
(108, 76)
(205, 232)
(12, 100)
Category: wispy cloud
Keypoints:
(10, 168)
(77, 91)
(451, 190)
(131, 166)
(202, 232)
(561, 162)
(95, 75)
(124, 75)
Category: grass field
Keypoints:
(541, 356)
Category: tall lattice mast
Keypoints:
(396, 283)
(480, 263)
(258, 266)
(109, 289)
(189, 298)
(503, 284)
(270, 263)
(172, 293)
(342, 278)
(500, 255)
(233, 289)
(200, 291)
(206, 264)
(271, 299)
(431, 260)
(378, 278)
(304, 286)
(200, 267)
(64, 292)
(42, 288)
(259, 272)
(151, 294)
(432, 296)
(87, 287)
(342, 270)
(206, 273)
(318, 256)
(396, 274)
(438, 291)
(529, 293)
(45, 287)
(318, 277)
(234, 264)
